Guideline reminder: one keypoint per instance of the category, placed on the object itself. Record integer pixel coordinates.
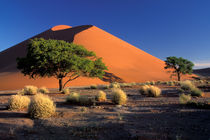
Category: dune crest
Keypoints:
(60, 27)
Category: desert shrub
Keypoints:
(43, 90)
(184, 99)
(17, 102)
(115, 85)
(101, 96)
(93, 86)
(73, 98)
(41, 106)
(21, 92)
(152, 83)
(171, 83)
(154, 91)
(119, 96)
(144, 89)
(196, 92)
(85, 100)
(147, 83)
(103, 87)
(187, 85)
(66, 91)
(30, 90)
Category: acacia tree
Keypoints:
(60, 59)
(180, 66)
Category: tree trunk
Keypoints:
(60, 84)
(178, 76)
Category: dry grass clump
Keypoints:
(43, 90)
(17, 102)
(30, 90)
(187, 85)
(41, 106)
(196, 92)
(154, 91)
(115, 85)
(171, 83)
(101, 96)
(152, 83)
(66, 91)
(184, 98)
(73, 98)
(144, 89)
(21, 92)
(119, 96)
(85, 100)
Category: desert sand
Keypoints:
(125, 62)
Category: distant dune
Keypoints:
(125, 62)
(202, 72)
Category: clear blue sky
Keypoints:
(160, 27)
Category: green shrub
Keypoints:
(184, 99)
(101, 96)
(30, 90)
(119, 96)
(154, 91)
(144, 89)
(85, 100)
(43, 90)
(41, 106)
(152, 83)
(66, 91)
(17, 102)
(73, 98)
(196, 92)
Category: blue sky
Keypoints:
(160, 27)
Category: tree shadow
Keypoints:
(110, 77)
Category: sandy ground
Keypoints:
(146, 118)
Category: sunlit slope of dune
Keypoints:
(125, 62)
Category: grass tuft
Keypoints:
(18, 102)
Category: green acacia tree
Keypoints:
(60, 59)
(180, 66)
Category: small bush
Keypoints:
(147, 83)
(66, 91)
(171, 83)
(43, 90)
(119, 96)
(73, 98)
(184, 99)
(196, 92)
(144, 90)
(101, 96)
(154, 91)
(115, 85)
(152, 83)
(17, 102)
(93, 86)
(85, 100)
(30, 90)
(187, 85)
(41, 106)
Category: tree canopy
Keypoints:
(60, 59)
(180, 66)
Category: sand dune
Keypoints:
(125, 62)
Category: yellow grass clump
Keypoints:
(144, 89)
(184, 99)
(115, 85)
(101, 96)
(119, 96)
(30, 90)
(66, 91)
(73, 98)
(187, 85)
(43, 90)
(41, 106)
(154, 91)
(17, 102)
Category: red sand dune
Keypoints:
(125, 62)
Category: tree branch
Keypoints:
(70, 80)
